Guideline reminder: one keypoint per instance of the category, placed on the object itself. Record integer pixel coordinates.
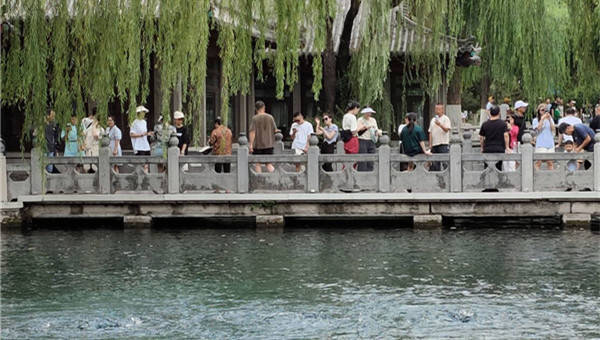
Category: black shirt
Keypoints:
(493, 131)
(184, 138)
(51, 136)
(595, 123)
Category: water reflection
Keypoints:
(301, 283)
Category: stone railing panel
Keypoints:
(571, 172)
(133, 177)
(421, 178)
(73, 177)
(208, 174)
(18, 179)
(284, 178)
(480, 172)
(348, 178)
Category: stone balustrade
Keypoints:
(461, 170)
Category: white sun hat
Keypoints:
(367, 110)
(519, 104)
(178, 115)
(141, 108)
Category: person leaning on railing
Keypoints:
(412, 139)
(583, 137)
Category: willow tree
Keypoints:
(63, 54)
(584, 30)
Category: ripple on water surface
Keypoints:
(301, 283)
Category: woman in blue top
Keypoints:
(544, 142)
(71, 136)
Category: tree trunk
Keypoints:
(343, 56)
(484, 90)
(329, 71)
(455, 88)
(453, 100)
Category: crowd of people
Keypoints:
(501, 131)
(77, 140)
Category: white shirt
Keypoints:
(400, 129)
(139, 143)
(349, 122)
(503, 109)
(571, 120)
(372, 128)
(303, 131)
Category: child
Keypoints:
(572, 165)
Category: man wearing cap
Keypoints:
(519, 117)
(439, 135)
(367, 137)
(220, 140)
(182, 132)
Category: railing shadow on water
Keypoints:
(460, 170)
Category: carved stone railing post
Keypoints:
(384, 163)
(467, 146)
(278, 146)
(104, 168)
(36, 171)
(467, 143)
(597, 163)
(526, 163)
(3, 174)
(339, 149)
(242, 164)
(312, 164)
(455, 163)
(173, 164)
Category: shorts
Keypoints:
(540, 149)
(142, 153)
(299, 152)
(267, 151)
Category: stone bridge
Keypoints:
(467, 184)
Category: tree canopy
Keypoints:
(59, 52)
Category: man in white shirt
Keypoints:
(139, 134)
(300, 131)
(439, 135)
(570, 119)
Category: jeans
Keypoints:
(366, 146)
(50, 167)
(437, 166)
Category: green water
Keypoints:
(302, 283)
